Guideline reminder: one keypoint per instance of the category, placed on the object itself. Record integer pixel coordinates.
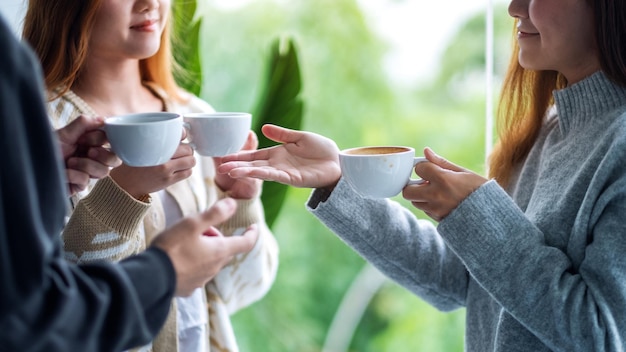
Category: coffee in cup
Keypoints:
(144, 139)
(218, 133)
(379, 171)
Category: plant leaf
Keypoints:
(280, 104)
(186, 45)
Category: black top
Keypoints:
(46, 303)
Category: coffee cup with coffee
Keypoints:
(218, 133)
(144, 139)
(379, 171)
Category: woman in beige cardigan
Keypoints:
(114, 58)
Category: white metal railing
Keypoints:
(489, 77)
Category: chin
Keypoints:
(530, 64)
(145, 53)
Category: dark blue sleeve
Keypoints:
(46, 303)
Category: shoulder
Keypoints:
(610, 140)
(64, 109)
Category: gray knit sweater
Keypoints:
(539, 267)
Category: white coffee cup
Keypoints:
(144, 139)
(379, 171)
(218, 133)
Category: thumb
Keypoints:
(440, 161)
(221, 211)
(281, 134)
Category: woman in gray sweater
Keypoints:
(537, 252)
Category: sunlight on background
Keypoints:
(416, 30)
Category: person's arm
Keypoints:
(46, 303)
(105, 225)
(389, 236)
(559, 299)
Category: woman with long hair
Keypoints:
(535, 253)
(113, 57)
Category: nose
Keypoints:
(147, 5)
(519, 8)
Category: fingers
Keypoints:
(77, 128)
(250, 155)
(91, 168)
(206, 221)
(221, 211)
(183, 150)
(446, 187)
(236, 169)
(77, 181)
(281, 134)
(95, 138)
(198, 250)
(259, 172)
(252, 142)
(440, 161)
(436, 167)
(95, 165)
(243, 243)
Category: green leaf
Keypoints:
(280, 104)
(186, 45)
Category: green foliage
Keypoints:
(186, 37)
(390, 320)
(279, 104)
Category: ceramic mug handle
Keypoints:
(416, 161)
(187, 128)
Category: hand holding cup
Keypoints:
(150, 147)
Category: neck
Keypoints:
(115, 88)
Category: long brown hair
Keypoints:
(527, 95)
(59, 32)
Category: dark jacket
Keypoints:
(46, 303)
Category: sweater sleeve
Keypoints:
(568, 308)
(105, 225)
(46, 303)
(408, 250)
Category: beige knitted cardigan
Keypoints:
(107, 223)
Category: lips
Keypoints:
(522, 35)
(145, 25)
(521, 30)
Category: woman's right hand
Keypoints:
(139, 181)
(303, 159)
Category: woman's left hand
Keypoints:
(446, 186)
(240, 188)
